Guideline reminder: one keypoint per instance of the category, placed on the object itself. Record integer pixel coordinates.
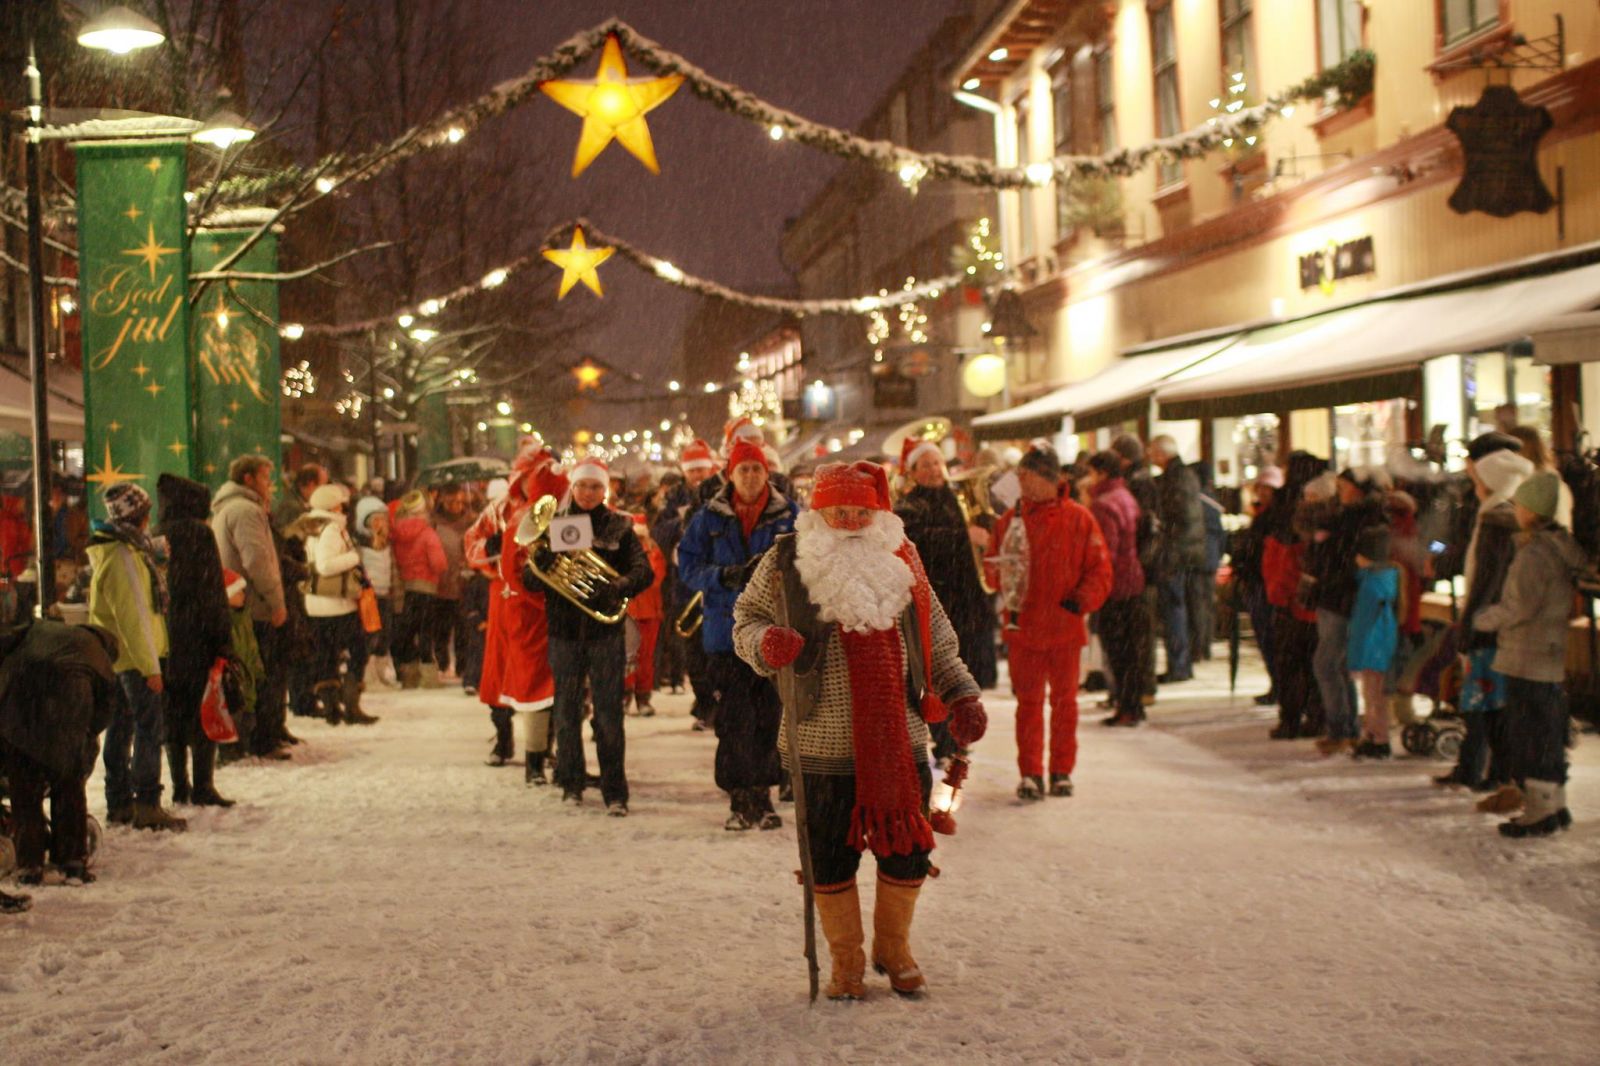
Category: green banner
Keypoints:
(235, 346)
(133, 271)
(433, 430)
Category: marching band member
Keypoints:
(715, 557)
(699, 464)
(845, 604)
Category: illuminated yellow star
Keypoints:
(154, 165)
(219, 313)
(111, 474)
(152, 251)
(139, 369)
(132, 213)
(588, 375)
(154, 389)
(613, 108)
(176, 447)
(578, 263)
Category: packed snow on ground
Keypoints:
(1207, 897)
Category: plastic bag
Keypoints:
(214, 716)
(371, 617)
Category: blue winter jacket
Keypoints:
(714, 541)
(1374, 632)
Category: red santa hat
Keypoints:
(858, 484)
(745, 450)
(915, 448)
(531, 454)
(739, 429)
(641, 525)
(697, 456)
(232, 582)
(590, 468)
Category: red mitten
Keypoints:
(781, 646)
(967, 720)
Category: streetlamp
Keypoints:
(116, 30)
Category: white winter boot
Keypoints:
(374, 677)
(1544, 812)
(430, 676)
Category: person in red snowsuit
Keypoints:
(646, 611)
(516, 667)
(1049, 559)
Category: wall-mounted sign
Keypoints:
(1500, 142)
(1350, 259)
(894, 390)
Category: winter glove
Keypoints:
(967, 720)
(1070, 604)
(781, 646)
(544, 558)
(491, 545)
(749, 568)
(732, 576)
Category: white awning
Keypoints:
(66, 404)
(1126, 380)
(1567, 339)
(1377, 340)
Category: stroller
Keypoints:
(8, 847)
(1432, 671)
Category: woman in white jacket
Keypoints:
(332, 594)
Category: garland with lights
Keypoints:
(1349, 80)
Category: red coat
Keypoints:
(1067, 560)
(16, 536)
(1281, 565)
(647, 604)
(418, 553)
(516, 663)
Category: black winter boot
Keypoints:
(533, 772)
(205, 766)
(329, 696)
(350, 694)
(504, 743)
(178, 766)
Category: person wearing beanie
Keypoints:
(1121, 621)
(587, 654)
(682, 501)
(516, 673)
(372, 526)
(1287, 539)
(1482, 762)
(949, 547)
(128, 600)
(332, 591)
(1531, 621)
(1049, 561)
(843, 605)
(718, 552)
(421, 565)
(1183, 551)
(1374, 637)
(644, 627)
(200, 631)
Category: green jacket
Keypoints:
(249, 654)
(121, 601)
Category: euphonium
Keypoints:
(692, 615)
(972, 493)
(577, 577)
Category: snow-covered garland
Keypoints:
(661, 269)
(1350, 80)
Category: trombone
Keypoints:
(690, 618)
(577, 577)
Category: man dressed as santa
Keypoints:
(516, 666)
(843, 609)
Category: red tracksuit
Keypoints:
(646, 611)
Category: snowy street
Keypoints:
(1207, 897)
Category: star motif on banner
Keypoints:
(110, 473)
(613, 107)
(224, 421)
(578, 263)
(210, 468)
(151, 251)
(219, 313)
(216, 247)
(139, 369)
(176, 447)
(234, 406)
(114, 426)
(132, 213)
(154, 389)
(154, 165)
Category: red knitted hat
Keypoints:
(697, 455)
(858, 484)
(746, 451)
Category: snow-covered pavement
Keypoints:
(1207, 897)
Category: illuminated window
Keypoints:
(1164, 64)
(1338, 29)
(1105, 100)
(1238, 48)
(1460, 19)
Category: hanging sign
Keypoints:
(894, 390)
(1500, 143)
(1337, 261)
(133, 272)
(235, 352)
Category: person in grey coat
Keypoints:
(1531, 620)
(243, 531)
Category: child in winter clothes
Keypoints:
(377, 559)
(420, 562)
(1531, 619)
(644, 615)
(1374, 636)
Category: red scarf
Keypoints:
(888, 814)
(750, 513)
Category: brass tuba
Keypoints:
(972, 494)
(576, 577)
(692, 615)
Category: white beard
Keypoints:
(854, 577)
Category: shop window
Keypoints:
(1363, 433)
(1025, 196)
(1238, 42)
(1503, 390)
(1338, 30)
(1105, 100)
(1065, 138)
(1460, 19)
(1164, 64)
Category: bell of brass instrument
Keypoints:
(577, 577)
(691, 616)
(972, 493)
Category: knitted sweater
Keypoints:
(826, 738)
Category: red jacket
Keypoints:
(1114, 507)
(1281, 565)
(1067, 561)
(647, 604)
(418, 554)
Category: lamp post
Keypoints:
(117, 30)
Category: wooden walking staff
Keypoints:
(797, 782)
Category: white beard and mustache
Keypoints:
(854, 577)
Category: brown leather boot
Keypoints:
(839, 907)
(1506, 800)
(891, 936)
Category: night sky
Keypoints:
(719, 205)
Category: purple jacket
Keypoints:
(1114, 507)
